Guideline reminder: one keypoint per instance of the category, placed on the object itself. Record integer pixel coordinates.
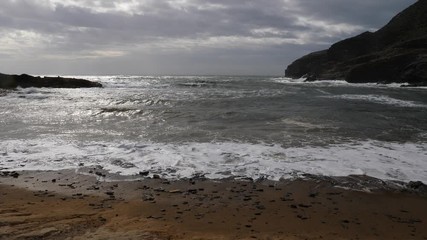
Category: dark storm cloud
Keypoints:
(179, 32)
(369, 14)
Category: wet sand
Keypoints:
(67, 205)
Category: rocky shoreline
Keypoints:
(68, 204)
(25, 81)
(397, 53)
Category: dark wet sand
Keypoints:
(66, 205)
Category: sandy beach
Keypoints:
(87, 205)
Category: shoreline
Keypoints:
(65, 204)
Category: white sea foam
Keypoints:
(288, 80)
(380, 99)
(285, 80)
(390, 161)
(305, 124)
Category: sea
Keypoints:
(259, 127)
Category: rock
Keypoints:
(100, 174)
(416, 185)
(148, 197)
(247, 198)
(388, 69)
(166, 182)
(25, 81)
(286, 199)
(192, 191)
(14, 174)
(313, 195)
(122, 164)
(260, 207)
(308, 66)
(159, 189)
(175, 191)
(9, 174)
(144, 173)
(397, 53)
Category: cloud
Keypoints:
(178, 33)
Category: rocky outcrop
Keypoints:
(25, 81)
(396, 53)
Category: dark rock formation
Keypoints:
(24, 81)
(395, 53)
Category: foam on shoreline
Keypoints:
(388, 161)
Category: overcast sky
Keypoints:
(246, 37)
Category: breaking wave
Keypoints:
(389, 161)
(380, 99)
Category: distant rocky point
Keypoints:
(397, 53)
(25, 81)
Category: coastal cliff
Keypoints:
(396, 53)
(24, 81)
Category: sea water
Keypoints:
(219, 127)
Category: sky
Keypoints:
(177, 37)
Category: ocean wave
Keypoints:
(384, 160)
(332, 82)
(306, 124)
(119, 111)
(285, 80)
(380, 99)
(198, 83)
(31, 93)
